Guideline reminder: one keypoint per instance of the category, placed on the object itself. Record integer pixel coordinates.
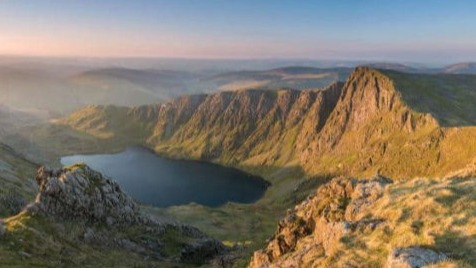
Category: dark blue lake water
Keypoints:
(162, 182)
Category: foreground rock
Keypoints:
(92, 209)
(317, 225)
(413, 257)
(355, 223)
(82, 193)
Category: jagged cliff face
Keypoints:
(363, 127)
(255, 126)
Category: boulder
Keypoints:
(413, 257)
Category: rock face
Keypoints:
(106, 217)
(413, 257)
(372, 123)
(318, 225)
(82, 193)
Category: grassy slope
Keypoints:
(427, 150)
(42, 242)
(16, 178)
(449, 98)
(434, 213)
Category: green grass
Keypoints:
(449, 98)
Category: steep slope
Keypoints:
(378, 223)
(377, 122)
(369, 126)
(253, 127)
(16, 190)
(447, 97)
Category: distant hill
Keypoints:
(461, 68)
(36, 90)
(54, 93)
(295, 77)
(163, 84)
(12, 120)
(396, 67)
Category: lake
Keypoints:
(161, 182)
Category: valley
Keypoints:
(233, 134)
(377, 122)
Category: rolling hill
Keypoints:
(461, 68)
(295, 77)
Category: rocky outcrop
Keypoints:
(104, 216)
(81, 193)
(320, 222)
(413, 257)
(253, 120)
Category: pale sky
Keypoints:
(426, 30)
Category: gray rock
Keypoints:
(413, 257)
(201, 250)
(84, 194)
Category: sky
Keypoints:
(404, 30)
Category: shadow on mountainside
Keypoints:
(458, 246)
(449, 98)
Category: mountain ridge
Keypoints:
(371, 124)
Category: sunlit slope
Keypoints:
(377, 122)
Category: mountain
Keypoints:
(55, 90)
(461, 68)
(378, 122)
(296, 77)
(398, 124)
(362, 127)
